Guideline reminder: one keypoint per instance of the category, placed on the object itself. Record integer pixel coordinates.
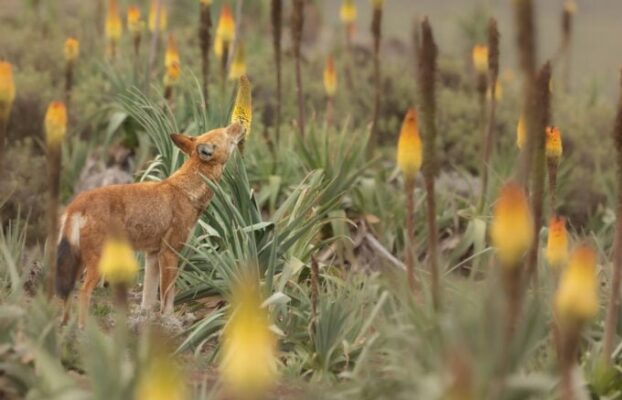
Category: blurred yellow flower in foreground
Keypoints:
(114, 28)
(118, 264)
(480, 58)
(576, 300)
(226, 25)
(153, 15)
(171, 56)
(521, 132)
(557, 243)
(7, 90)
(512, 225)
(409, 149)
(348, 12)
(238, 66)
(134, 24)
(243, 107)
(161, 378)
(55, 123)
(71, 49)
(554, 148)
(330, 77)
(248, 364)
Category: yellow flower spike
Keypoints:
(173, 72)
(576, 300)
(238, 66)
(118, 264)
(55, 123)
(171, 55)
(226, 25)
(248, 364)
(114, 28)
(554, 148)
(243, 107)
(218, 46)
(409, 149)
(512, 226)
(557, 243)
(480, 58)
(134, 24)
(71, 49)
(348, 12)
(377, 4)
(521, 133)
(153, 14)
(330, 77)
(161, 379)
(7, 90)
(206, 2)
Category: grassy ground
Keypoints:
(350, 328)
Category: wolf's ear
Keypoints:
(185, 143)
(236, 130)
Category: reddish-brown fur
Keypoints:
(157, 217)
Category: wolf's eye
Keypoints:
(205, 151)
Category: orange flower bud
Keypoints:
(409, 150)
(554, 147)
(171, 56)
(55, 123)
(153, 15)
(226, 25)
(114, 28)
(238, 66)
(134, 24)
(521, 133)
(512, 225)
(348, 12)
(7, 90)
(576, 300)
(480, 58)
(330, 77)
(71, 49)
(557, 243)
(171, 77)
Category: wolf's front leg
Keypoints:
(168, 274)
(150, 282)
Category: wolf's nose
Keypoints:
(206, 151)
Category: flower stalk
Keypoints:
(348, 15)
(538, 143)
(243, 108)
(71, 51)
(426, 82)
(553, 152)
(376, 31)
(409, 159)
(276, 17)
(135, 27)
(613, 305)
(205, 38)
(114, 28)
(225, 35)
(492, 64)
(297, 23)
(55, 130)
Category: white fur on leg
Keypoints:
(150, 284)
(168, 303)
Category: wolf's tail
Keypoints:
(67, 267)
